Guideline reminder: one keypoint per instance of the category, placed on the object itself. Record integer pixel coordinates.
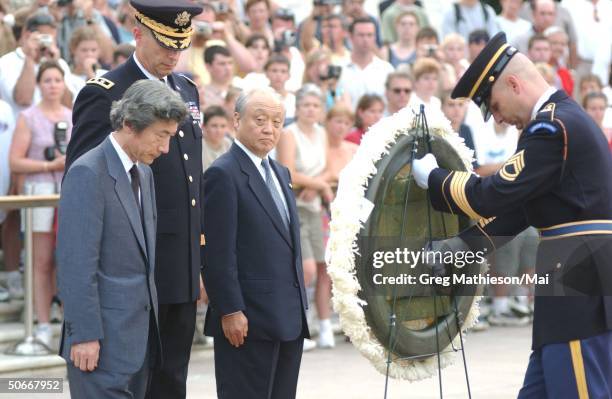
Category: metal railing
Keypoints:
(29, 346)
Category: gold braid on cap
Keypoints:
(163, 29)
(165, 40)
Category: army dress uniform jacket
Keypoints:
(560, 181)
(177, 176)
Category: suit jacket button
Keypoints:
(296, 285)
(147, 308)
(181, 133)
(186, 157)
(190, 179)
(193, 202)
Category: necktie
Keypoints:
(274, 192)
(136, 188)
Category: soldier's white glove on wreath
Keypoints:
(421, 168)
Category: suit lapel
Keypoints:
(261, 192)
(124, 193)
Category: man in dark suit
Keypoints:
(253, 265)
(106, 251)
(163, 29)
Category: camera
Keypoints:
(333, 72)
(430, 50)
(45, 41)
(287, 39)
(61, 141)
(220, 7)
(203, 28)
(63, 3)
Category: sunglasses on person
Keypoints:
(398, 90)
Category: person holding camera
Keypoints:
(212, 28)
(18, 78)
(285, 43)
(38, 152)
(309, 30)
(323, 74)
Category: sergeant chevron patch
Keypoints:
(513, 166)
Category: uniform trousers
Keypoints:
(578, 369)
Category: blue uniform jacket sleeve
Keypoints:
(534, 169)
(491, 234)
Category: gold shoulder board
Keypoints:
(105, 83)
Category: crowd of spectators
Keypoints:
(339, 65)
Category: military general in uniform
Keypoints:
(163, 29)
(559, 181)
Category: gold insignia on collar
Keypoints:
(550, 107)
(183, 18)
(513, 167)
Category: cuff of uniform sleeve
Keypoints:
(437, 197)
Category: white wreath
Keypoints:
(349, 211)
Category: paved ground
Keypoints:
(496, 362)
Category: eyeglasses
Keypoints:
(398, 90)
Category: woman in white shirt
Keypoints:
(303, 149)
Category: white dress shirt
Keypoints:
(148, 74)
(369, 80)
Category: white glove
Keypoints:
(421, 168)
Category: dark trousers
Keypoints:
(257, 369)
(570, 370)
(177, 326)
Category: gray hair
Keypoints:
(308, 90)
(245, 96)
(146, 102)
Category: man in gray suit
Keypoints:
(106, 248)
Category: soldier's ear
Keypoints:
(513, 83)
